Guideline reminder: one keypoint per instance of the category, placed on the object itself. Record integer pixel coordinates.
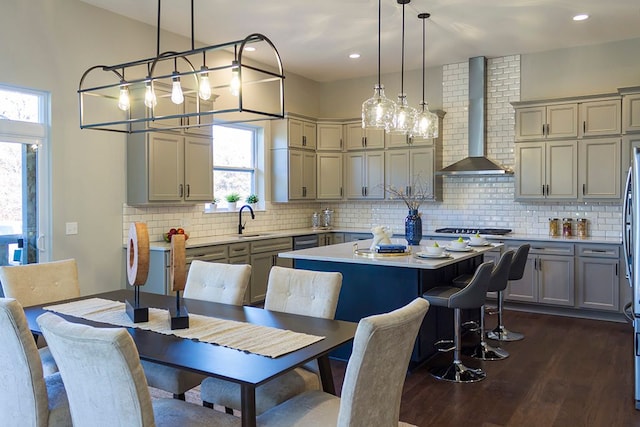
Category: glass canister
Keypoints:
(582, 227)
(554, 227)
(567, 227)
(315, 220)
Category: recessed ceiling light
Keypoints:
(581, 17)
(354, 55)
(250, 49)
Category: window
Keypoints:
(234, 161)
(24, 214)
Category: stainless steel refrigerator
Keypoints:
(631, 245)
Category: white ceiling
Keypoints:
(314, 37)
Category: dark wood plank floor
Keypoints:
(566, 372)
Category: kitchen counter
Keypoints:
(260, 235)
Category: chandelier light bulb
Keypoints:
(176, 91)
(123, 100)
(234, 84)
(204, 90)
(150, 99)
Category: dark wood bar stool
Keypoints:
(471, 296)
(501, 333)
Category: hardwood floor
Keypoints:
(566, 372)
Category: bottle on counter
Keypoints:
(582, 227)
(554, 227)
(567, 227)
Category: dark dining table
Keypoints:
(247, 369)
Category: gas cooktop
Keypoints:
(474, 230)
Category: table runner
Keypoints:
(257, 339)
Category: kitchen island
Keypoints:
(374, 284)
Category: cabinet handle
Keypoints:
(584, 189)
(188, 190)
(181, 190)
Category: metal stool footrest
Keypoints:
(444, 345)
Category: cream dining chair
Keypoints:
(42, 283)
(105, 382)
(27, 398)
(207, 281)
(373, 381)
(309, 293)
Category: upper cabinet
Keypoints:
(630, 109)
(359, 139)
(293, 133)
(600, 118)
(556, 121)
(329, 137)
(169, 168)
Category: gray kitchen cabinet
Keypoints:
(264, 255)
(548, 276)
(293, 175)
(329, 180)
(169, 167)
(293, 133)
(546, 170)
(364, 174)
(329, 137)
(600, 118)
(554, 121)
(599, 168)
(358, 138)
(599, 277)
(411, 170)
(630, 109)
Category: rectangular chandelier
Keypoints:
(177, 90)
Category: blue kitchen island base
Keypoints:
(369, 289)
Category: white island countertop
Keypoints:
(344, 252)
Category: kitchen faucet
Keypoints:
(240, 225)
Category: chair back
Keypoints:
(500, 273)
(217, 282)
(24, 398)
(101, 371)
(474, 294)
(375, 374)
(519, 262)
(305, 292)
(35, 284)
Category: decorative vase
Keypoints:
(413, 227)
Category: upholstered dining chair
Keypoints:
(373, 381)
(208, 281)
(106, 385)
(27, 398)
(33, 284)
(295, 291)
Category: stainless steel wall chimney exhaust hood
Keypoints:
(477, 163)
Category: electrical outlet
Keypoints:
(71, 228)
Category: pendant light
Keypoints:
(377, 111)
(426, 125)
(404, 116)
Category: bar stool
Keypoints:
(471, 296)
(501, 333)
(497, 283)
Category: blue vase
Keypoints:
(413, 227)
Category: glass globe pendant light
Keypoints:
(377, 111)
(404, 117)
(426, 125)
